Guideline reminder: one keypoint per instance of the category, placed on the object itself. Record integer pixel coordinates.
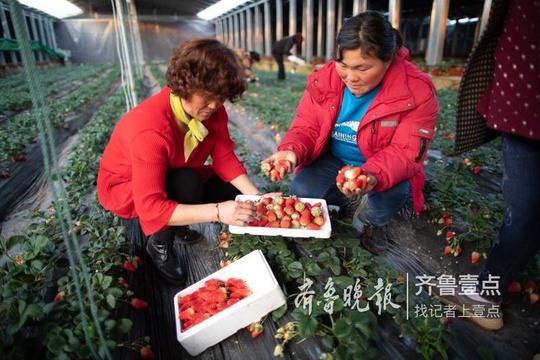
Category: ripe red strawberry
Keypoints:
(128, 265)
(147, 354)
(319, 220)
(313, 226)
(340, 178)
(290, 200)
(224, 263)
(447, 250)
(477, 169)
(447, 222)
(273, 224)
(533, 298)
(289, 209)
(475, 256)
(137, 303)
(514, 287)
(271, 216)
(285, 224)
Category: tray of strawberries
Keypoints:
(287, 216)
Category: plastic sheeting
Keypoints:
(95, 40)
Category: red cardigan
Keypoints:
(145, 144)
(394, 133)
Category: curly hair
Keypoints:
(208, 67)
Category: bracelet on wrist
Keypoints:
(217, 212)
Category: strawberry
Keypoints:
(352, 173)
(265, 168)
(316, 210)
(514, 287)
(477, 169)
(128, 265)
(285, 224)
(319, 220)
(224, 263)
(137, 303)
(146, 353)
(273, 224)
(271, 215)
(475, 255)
(299, 206)
(186, 314)
(223, 244)
(447, 321)
(533, 298)
(290, 200)
(59, 296)
(313, 226)
(255, 329)
(289, 209)
(457, 250)
(447, 250)
(450, 235)
(529, 287)
(340, 178)
(447, 222)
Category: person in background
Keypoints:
(247, 58)
(154, 168)
(498, 96)
(369, 107)
(282, 48)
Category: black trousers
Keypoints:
(281, 66)
(186, 186)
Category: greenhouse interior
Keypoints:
(77, 280)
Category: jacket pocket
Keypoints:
(421, 137)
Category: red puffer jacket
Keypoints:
(394, 135)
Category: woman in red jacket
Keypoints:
(369, 107)
(154, 168)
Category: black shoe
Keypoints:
(187, 236)
(374, 239)
(169, 265)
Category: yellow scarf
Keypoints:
(196, 130)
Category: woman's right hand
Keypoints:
(238, 213)
(287, 155)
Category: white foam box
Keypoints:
(266, 296)
(323, 233)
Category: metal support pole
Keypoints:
(330, 27)
(437, 31)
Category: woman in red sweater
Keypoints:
(155, 167)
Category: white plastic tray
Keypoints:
(323, 233)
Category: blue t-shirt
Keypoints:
(343, 142)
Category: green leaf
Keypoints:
(307, 326)
(111, 301)
(342, 329)
(56, 344)
(124, 325)
(279, 312)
